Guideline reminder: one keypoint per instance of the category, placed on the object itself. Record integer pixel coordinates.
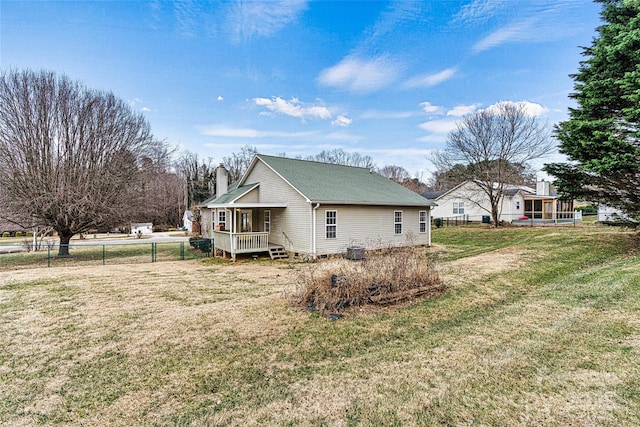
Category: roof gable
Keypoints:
(330, 183)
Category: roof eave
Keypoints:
(342, 202)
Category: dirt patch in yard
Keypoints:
(471, 268)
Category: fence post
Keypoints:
(104, 254)
(181, 251)
(48, 254)
(153, 252)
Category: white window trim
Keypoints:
(267, 221)
(396, 222)
(224, 212)
(457, 207)
(422, 220)
(334, 225)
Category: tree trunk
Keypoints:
(63, 249)
(495, 216)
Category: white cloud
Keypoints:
(537, 22)
(479, 10)
(430, 108)
(531, 109)
(516, 32)
(257, 18)
(219, 98)
(361, 75)
(376, 114)
(231, 132)
(342, 120)
(443, 126)
(428, 80)
(133, 102)
(293, 108)
(462, 110)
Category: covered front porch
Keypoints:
(244, 229)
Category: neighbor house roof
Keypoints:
(509, 190)
(339, 184)
(433, 194)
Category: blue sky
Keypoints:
(384, 79)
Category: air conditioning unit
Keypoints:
(355, 253)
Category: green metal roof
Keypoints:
(232, 195)
(330, 183)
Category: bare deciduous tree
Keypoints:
(489, 143)
(238, 163)
(402, 176)
(70, 155)
(198, 175)
(340, 157)
(164, 190)
(395, 173)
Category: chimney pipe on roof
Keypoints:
(542, 188)
(222, 180)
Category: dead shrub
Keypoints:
(388, 276)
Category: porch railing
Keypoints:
(237, 243)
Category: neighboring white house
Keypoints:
(467, 201)
(187, 220)
(141, 228)
(312, 209)
(611, 215)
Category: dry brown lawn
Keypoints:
(198, 343)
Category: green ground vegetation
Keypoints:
(539, 326)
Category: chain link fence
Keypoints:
(46, 254)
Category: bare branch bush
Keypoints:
(386, 276)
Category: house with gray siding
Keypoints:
(312, 209)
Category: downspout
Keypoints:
(429, 225)
(313, 231)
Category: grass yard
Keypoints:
(539, 326)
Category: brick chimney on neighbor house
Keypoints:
(222, 180)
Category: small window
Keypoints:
(331, 224)
(397, 222)
(222, 219)
(517, 205)
(458, 208)
(423, 221)
(267, 221)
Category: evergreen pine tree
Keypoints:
(602, 136)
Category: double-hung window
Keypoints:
(422, 221)
(222, 219)
(331, 224)
(458, 208)
(397, 222)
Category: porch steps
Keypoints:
(277, 252)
